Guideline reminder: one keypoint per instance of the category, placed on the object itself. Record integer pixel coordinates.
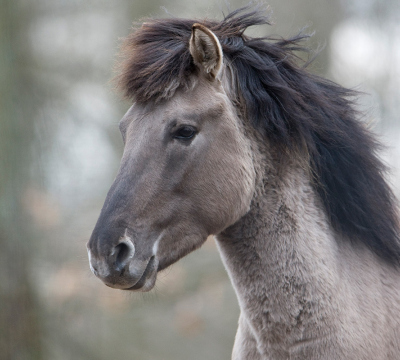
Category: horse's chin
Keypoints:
(149, 277)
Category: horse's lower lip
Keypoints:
(150, 270)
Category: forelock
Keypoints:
(155, 60)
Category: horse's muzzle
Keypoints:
(120, 270)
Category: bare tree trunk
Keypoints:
(19, 330)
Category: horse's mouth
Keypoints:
(148, 278)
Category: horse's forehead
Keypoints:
(201, 97)
(198, 101)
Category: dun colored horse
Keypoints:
(228, 136)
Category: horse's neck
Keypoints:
(281, 256)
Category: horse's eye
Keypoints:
(185, 132)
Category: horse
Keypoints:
(232, 136)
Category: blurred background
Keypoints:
(60, 149)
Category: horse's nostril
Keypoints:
(124, 252)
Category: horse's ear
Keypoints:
(206, 50)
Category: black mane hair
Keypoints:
(292, 107)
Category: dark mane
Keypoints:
(292, 107)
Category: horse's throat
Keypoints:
(279, 257)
